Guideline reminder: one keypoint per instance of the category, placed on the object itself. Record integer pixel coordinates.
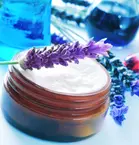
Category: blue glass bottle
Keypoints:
(117, 20)
(25, 23)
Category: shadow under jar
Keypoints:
(51, 114)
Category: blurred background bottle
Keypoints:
(25, 23)
(117, 20)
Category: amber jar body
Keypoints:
(51, 115)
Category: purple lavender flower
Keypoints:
(118, 113)
(118, 100)
(135, 88)
(118, 109)
(63, 54)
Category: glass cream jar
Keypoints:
(54, 113)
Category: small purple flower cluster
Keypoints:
(118, 109)
(63, 54)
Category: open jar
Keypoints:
(54, 110)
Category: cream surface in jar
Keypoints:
(85, 77)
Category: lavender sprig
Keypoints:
(63, 54)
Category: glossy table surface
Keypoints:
(111, 133)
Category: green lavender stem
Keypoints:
(8, 62)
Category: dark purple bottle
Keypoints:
(116, 21)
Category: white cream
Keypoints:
(85, 77)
